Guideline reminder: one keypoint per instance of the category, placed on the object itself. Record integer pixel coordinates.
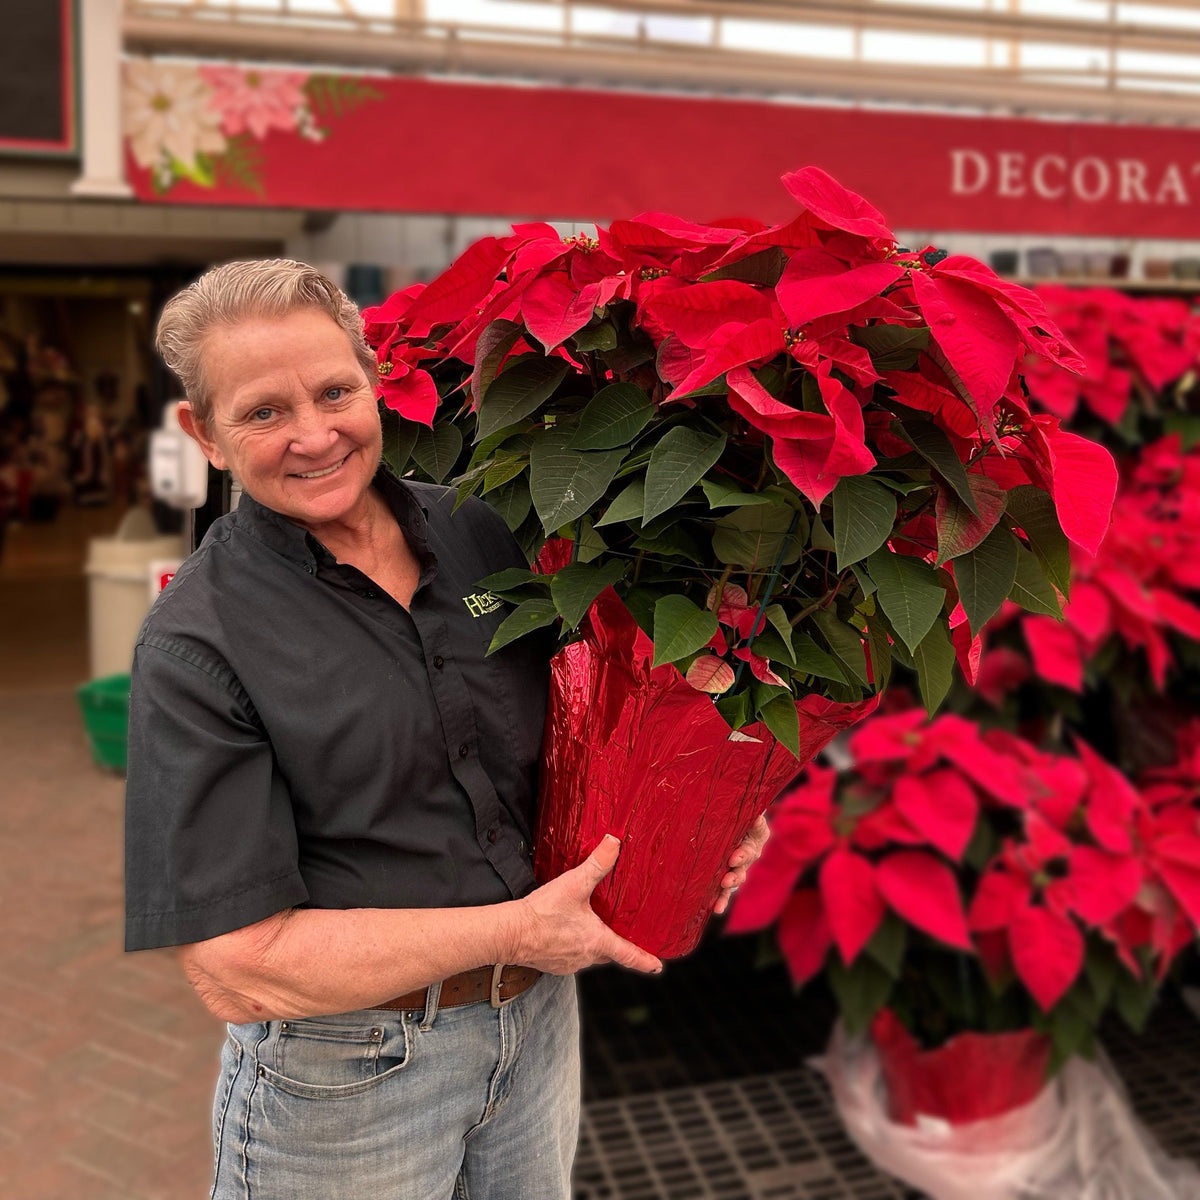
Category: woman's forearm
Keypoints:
(312, 962)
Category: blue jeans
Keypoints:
(474, 1103)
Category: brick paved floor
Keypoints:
(107, 1061)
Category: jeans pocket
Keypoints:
(318, 1059)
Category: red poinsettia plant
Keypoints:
(1132, 612)
(797, 452)
(1132, 348)
(969, 881)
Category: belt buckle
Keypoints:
(495, 997)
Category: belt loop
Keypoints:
(433, 995)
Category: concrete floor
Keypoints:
(107, 1061)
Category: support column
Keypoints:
(100, 60)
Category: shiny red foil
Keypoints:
(972, 1077)
(636, 751)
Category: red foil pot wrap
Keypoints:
(972, 1077)
(636, 751)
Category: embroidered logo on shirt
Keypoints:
(481, 603)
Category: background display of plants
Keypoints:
(802, 455)
(1031, 857)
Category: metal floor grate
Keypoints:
(768, 1137)
(776, 1137)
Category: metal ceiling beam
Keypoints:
(616, 62)
(913, 18)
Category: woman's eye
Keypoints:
(335, 393)
(263, 414)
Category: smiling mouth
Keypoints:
(320, 474)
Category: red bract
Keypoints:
(1083, 850)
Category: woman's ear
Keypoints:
(199, 432)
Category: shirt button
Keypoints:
(464, 750)
(309, 568)
(492, 836)
(439, 661)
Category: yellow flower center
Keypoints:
(161, 103)
(253, 79)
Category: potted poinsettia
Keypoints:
(751, 466)
(977, 903)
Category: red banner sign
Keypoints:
(293, 139)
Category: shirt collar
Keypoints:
(287, 538)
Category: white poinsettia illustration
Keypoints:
(167, 114)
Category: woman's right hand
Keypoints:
(556, 931)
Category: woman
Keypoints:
(331, 785)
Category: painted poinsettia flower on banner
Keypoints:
(256, 100)
(168, 120)
(206, 124)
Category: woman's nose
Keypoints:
(312, 431)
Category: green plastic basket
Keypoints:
(105, 707)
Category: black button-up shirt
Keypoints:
(296, 738)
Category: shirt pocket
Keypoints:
(324, 1060)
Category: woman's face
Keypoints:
(293, 415)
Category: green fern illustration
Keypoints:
(240, 165)
(332, 96)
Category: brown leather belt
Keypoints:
(499, 984)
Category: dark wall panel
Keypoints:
(37, 76)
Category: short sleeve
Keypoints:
(210, 838)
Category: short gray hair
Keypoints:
(225, 295)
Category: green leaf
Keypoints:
(765, 267)
(1031, 589)
(888, 944)
(820, 539)
(735, 708)
(677, 462)
(591, 544)
(935, 447)
(1033, 510)
(934, 661)
(844, 641)
(1101, 967)
(812, 660)
(726, 495)
(599, 335)
(782, 719)
(986, 576)
(399, 438)
(881, 652)
(861, 990)
(753, 536)
(335, 95)
(501, 471)
(576, 585)
(1135, 999)
(436, 450)
(512, 502)
(864, 512)
(908, 592)
(628, 505)
(525, 618)
(959, 529)
(496, 340)
(518, 391)
(511, 579)
(891, 347)
(778, 618)
(614, 416)
(241, 164)
(565, 483)
(680, 628)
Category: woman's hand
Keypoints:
(740, 861)
(556, 931)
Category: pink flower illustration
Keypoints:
(256, 100)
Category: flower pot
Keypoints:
(635, 751)
(972, 1077)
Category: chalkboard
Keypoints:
(37, 77)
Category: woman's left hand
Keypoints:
(739, 862)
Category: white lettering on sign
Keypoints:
(1013, 174)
